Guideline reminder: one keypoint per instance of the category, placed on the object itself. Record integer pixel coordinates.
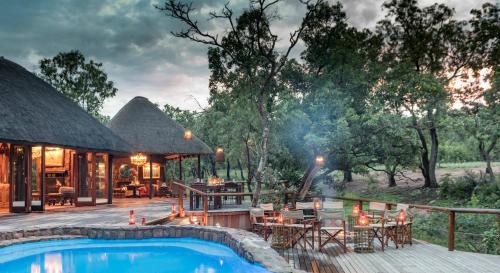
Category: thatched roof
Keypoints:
(32, 111)
(147, 129)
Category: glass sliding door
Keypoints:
(19, 182)
(37, 178)
(101, 179)
(4, 177)
(85, 176)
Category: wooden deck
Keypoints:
(421, 257)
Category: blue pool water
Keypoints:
(181, 255)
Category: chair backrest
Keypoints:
(293, 215)
(333, 205)
(404, 207)
(256, 212)
(304, 205)
(377, 206)
(331, 219)
(267, 206)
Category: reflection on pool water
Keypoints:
(180, 255)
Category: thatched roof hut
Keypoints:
(149, 130)
(32, 111)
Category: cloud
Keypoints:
(132, 39)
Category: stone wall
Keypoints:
(246, 244)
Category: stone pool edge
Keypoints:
(247, 245)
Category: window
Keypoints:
(156, 171)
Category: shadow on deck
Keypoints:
(420, 257)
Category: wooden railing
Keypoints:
(450, 211)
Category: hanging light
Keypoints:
(131, 218)
(219, 154)
(188, 135)
(139, 159)
(355, 209)
(319, 160)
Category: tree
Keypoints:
(246, 54)
(83, 82)
(425, 49)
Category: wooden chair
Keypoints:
(307, 208)
(259, 223)
(381, 226)
(269, 211)
(299, 228)
(331, 225)
(332, 206)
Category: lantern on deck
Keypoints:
(317, 204)
(143, 221)
(363, 219)
(182, 213)
(319, 161)
(131, 218)
(280, 218)
(355, 209)
(139, 159)
(219, 154)
(402, 216)
(188, 135)
(285, 207)
(174, 208)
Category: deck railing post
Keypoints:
(205, 210)
(181, 200)
(451, 230)
(498, 215)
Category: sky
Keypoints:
(132, 40)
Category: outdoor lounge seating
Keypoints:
(299, 227)
(259, 223)
(331, 227)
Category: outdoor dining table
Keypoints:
(134, 189)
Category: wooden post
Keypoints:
(43, 188)
(199, 168)
(451, 230)
(205, 210)
(150, 176)
(110, 178)
(181, 200)
(498, 215)
(180, 167)
(360, 205)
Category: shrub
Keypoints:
(460, 188)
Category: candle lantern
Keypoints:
(143, 221)
(402, 216)
(317, 204)
(219, 154)
(363, 219)
(280, 218)
(131, 218)
(174, 208)
(285, 207)
(355, 209)
(319, 160)
(188, 135)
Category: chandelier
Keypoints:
(139, 159)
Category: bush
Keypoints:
(460, 188)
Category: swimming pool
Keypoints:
(161, 255)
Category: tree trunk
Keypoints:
(241, 170)
(434, 157)
(424, 156)
(214, 167)
(249, 167)
(307, 180)
(262, 163)
(228, 170)
(348, 174)
(487, 158)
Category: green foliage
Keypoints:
(460, 188)
(83, 82)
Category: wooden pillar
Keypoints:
(498, 215)
(93, 179)
(199, 168)
(451, 230)
(181, 198)
(43, 187)
(205, 210)
(28, 176)
(110, 178)
(150, 176)
(180, 167)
